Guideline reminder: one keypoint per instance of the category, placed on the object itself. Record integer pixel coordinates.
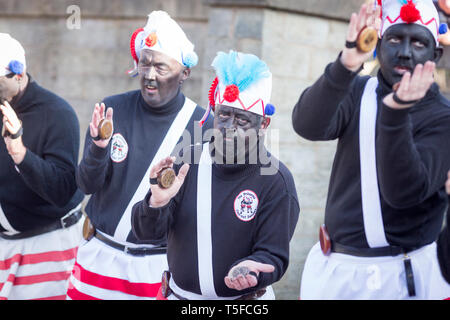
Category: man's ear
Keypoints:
(265, 123)
(18, 77)
(186, 73)
(438, 52)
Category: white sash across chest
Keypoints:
(168, 144)
(204, 235)
(370, 195)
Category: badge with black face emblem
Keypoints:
(119, 148)
(246, 205)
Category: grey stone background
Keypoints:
(297, 39)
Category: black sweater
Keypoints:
(412, 155)
(113, 184)
(265, 238)
(443, 248)
(43, 188)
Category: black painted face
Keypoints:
(239, 129)
(160, 77)
(404, 46)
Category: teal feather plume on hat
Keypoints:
(239, 69)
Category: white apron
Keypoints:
(341, 276)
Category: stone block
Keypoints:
(191, 89)
(285, 57)
(214, 45)
(187, 9)
(307, 31)
(319, 60)
(192, 10)
(337, 34)
(249, 24)
(221, 22)
(332, 9)
(275, 26)
(286, 91)
(252, 46)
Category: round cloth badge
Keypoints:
(246, 205)
(119, 148)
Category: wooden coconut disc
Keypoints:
(367, 39)
(166, 177)
(105, 129)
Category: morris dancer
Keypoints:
(40, 205)
(228, 221)
(386, 198)
(147, 124)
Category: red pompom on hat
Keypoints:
(409, 12)
(231, 93)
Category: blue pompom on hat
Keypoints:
(16, 67)
(443, 28)
(190, 59)
(270, 109)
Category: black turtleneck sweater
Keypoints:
(412, 155)
(42, 188)
(113, 183)
(265, 238)
(443, 248)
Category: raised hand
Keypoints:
(97, 116)
(160, 197)
(13, 141)
(352, 58)
(245, 274)
(10, 120)
(412, 88)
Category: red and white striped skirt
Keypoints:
(104, 273)
(38, 268)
